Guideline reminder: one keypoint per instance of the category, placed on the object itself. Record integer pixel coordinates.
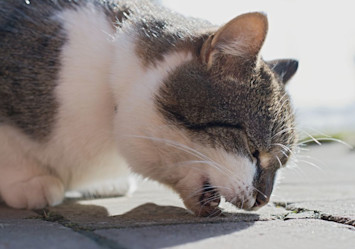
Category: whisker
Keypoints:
(204, 160)
(208, 200)
(278, 159)
(198, 192)
(201, 190)
(283, 130)
(316, 131)
(260, 192)
(312, 138)
(225, 171)
(286, 148)
(284, 153)
(310, 163)
(187, 150)
(327, 139)
(242, 202)
(215, 212)
(191, 162)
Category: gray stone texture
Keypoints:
(271, 234)
(312, 207)
(34, 234)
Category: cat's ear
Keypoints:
(242, 37)
(285, 68)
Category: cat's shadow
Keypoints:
(153, 225)
(146, 226)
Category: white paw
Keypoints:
(37, 192)
(118, 187)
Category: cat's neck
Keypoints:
(132, 76)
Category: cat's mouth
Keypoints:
(210, 198)
(209, 201)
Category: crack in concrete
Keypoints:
(49, 216)
(341, 220)
(317, 214)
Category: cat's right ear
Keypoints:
(241, 38)
(285, 68)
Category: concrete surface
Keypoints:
(271, 234)
(312, 207)
(33, 234)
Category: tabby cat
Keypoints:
(91, 90)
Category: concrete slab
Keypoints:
(329, 163)
(336, 208)
(313, 192)
(37, 234)
(327, 174)
(291, 234)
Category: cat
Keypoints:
(92, 90)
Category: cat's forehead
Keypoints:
(221, 96)
(196, 99)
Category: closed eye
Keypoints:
(204, 126)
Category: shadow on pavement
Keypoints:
(153, 226)
(147, 214)
(145, 226)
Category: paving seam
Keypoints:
(48, 216)
(317, 214)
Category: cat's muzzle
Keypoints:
(209, 201)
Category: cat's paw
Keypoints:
(37, 192)
(119, 187)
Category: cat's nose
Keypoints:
(261, 200)
(263, 188)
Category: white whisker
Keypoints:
(224, 170)
(187, 150)
(282, 131)
(278, 159)
(327, 139)
(310, 163)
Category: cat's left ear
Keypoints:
(241, 38)
(285, 68)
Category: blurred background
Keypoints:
(321, 35)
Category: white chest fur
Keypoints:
(100, 70)
(81, 150)
(83, 138)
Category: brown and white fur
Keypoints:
(91, 90)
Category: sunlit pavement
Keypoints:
(313, 206)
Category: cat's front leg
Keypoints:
(120, 186)
(33, 193)
(23, 182)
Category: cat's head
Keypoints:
(225, 121)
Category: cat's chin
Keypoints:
(206, 202)
(243, 202)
